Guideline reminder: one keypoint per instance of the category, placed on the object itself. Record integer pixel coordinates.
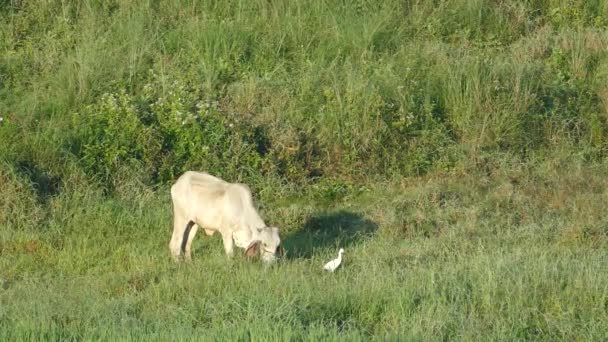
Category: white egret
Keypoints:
(334, 264)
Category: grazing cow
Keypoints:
(202, 200)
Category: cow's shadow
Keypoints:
(328, 230)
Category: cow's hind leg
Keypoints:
(188, 237)
(180, 227)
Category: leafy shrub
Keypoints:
(572, 13)
(162, 132)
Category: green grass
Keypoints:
(456, 150)
(520, 254)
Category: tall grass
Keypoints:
(344, 86)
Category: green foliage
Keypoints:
(392, 88)
(569, 13)
(162, 133)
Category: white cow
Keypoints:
(202, 200)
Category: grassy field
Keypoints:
(456, 149)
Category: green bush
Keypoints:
(162, 132)
(339, 90)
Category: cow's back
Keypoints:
(215, 205)
(238, 204)
(199, 195)
(213, 202)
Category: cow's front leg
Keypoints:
(228, 244)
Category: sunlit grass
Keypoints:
(500, 257)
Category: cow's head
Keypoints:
(267, 243)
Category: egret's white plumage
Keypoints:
(334, 264)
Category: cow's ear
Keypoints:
(253, 249)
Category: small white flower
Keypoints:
(230, 125)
